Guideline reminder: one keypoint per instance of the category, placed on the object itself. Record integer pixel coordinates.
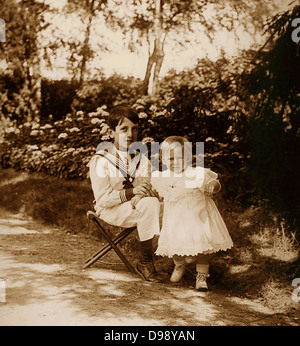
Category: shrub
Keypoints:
(110, 92)
(57, 97)
(61, 148)
(193, 109)
(274, 130)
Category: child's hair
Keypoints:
(173, 142)
(119, 113)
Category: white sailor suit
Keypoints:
(109, 184)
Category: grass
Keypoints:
(261, 265)
(49, 200)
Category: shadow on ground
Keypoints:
(46, 285)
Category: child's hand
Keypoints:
(211, 188)
(145, 190)
(142, 189)
(134, 200)
(208, 189)
(154, 193)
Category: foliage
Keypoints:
(59, 148)
(155, 23)
(199, 103)
(21, 52)
(57, 97)
(274, 131)
(82, 52)
(108, 91)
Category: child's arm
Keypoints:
(211, 182)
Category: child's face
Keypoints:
(125, 134)
(175, 160)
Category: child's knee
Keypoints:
(148, 204)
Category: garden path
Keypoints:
(45, 284)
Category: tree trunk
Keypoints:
(86, 48)
(33, 80)
(156, 58)
(158, 64)
(146, 81)
(36, 87)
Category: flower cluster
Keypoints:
(64, 147)
(61, 148)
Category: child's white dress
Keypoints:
(192, 223)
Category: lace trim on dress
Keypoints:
(165, 251)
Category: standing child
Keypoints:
(192, 225)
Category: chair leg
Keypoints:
(111, 245)
(108, 247)
(100, 253)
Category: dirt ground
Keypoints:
(44, 283)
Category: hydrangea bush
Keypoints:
(64, 147)
(61, 148)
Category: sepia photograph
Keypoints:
(150, 165)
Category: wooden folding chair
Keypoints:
(112, 242)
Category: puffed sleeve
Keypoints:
(210, 177)
(105, 195)
(194, 177)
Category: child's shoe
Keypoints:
(178, 272)
(201, 284)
